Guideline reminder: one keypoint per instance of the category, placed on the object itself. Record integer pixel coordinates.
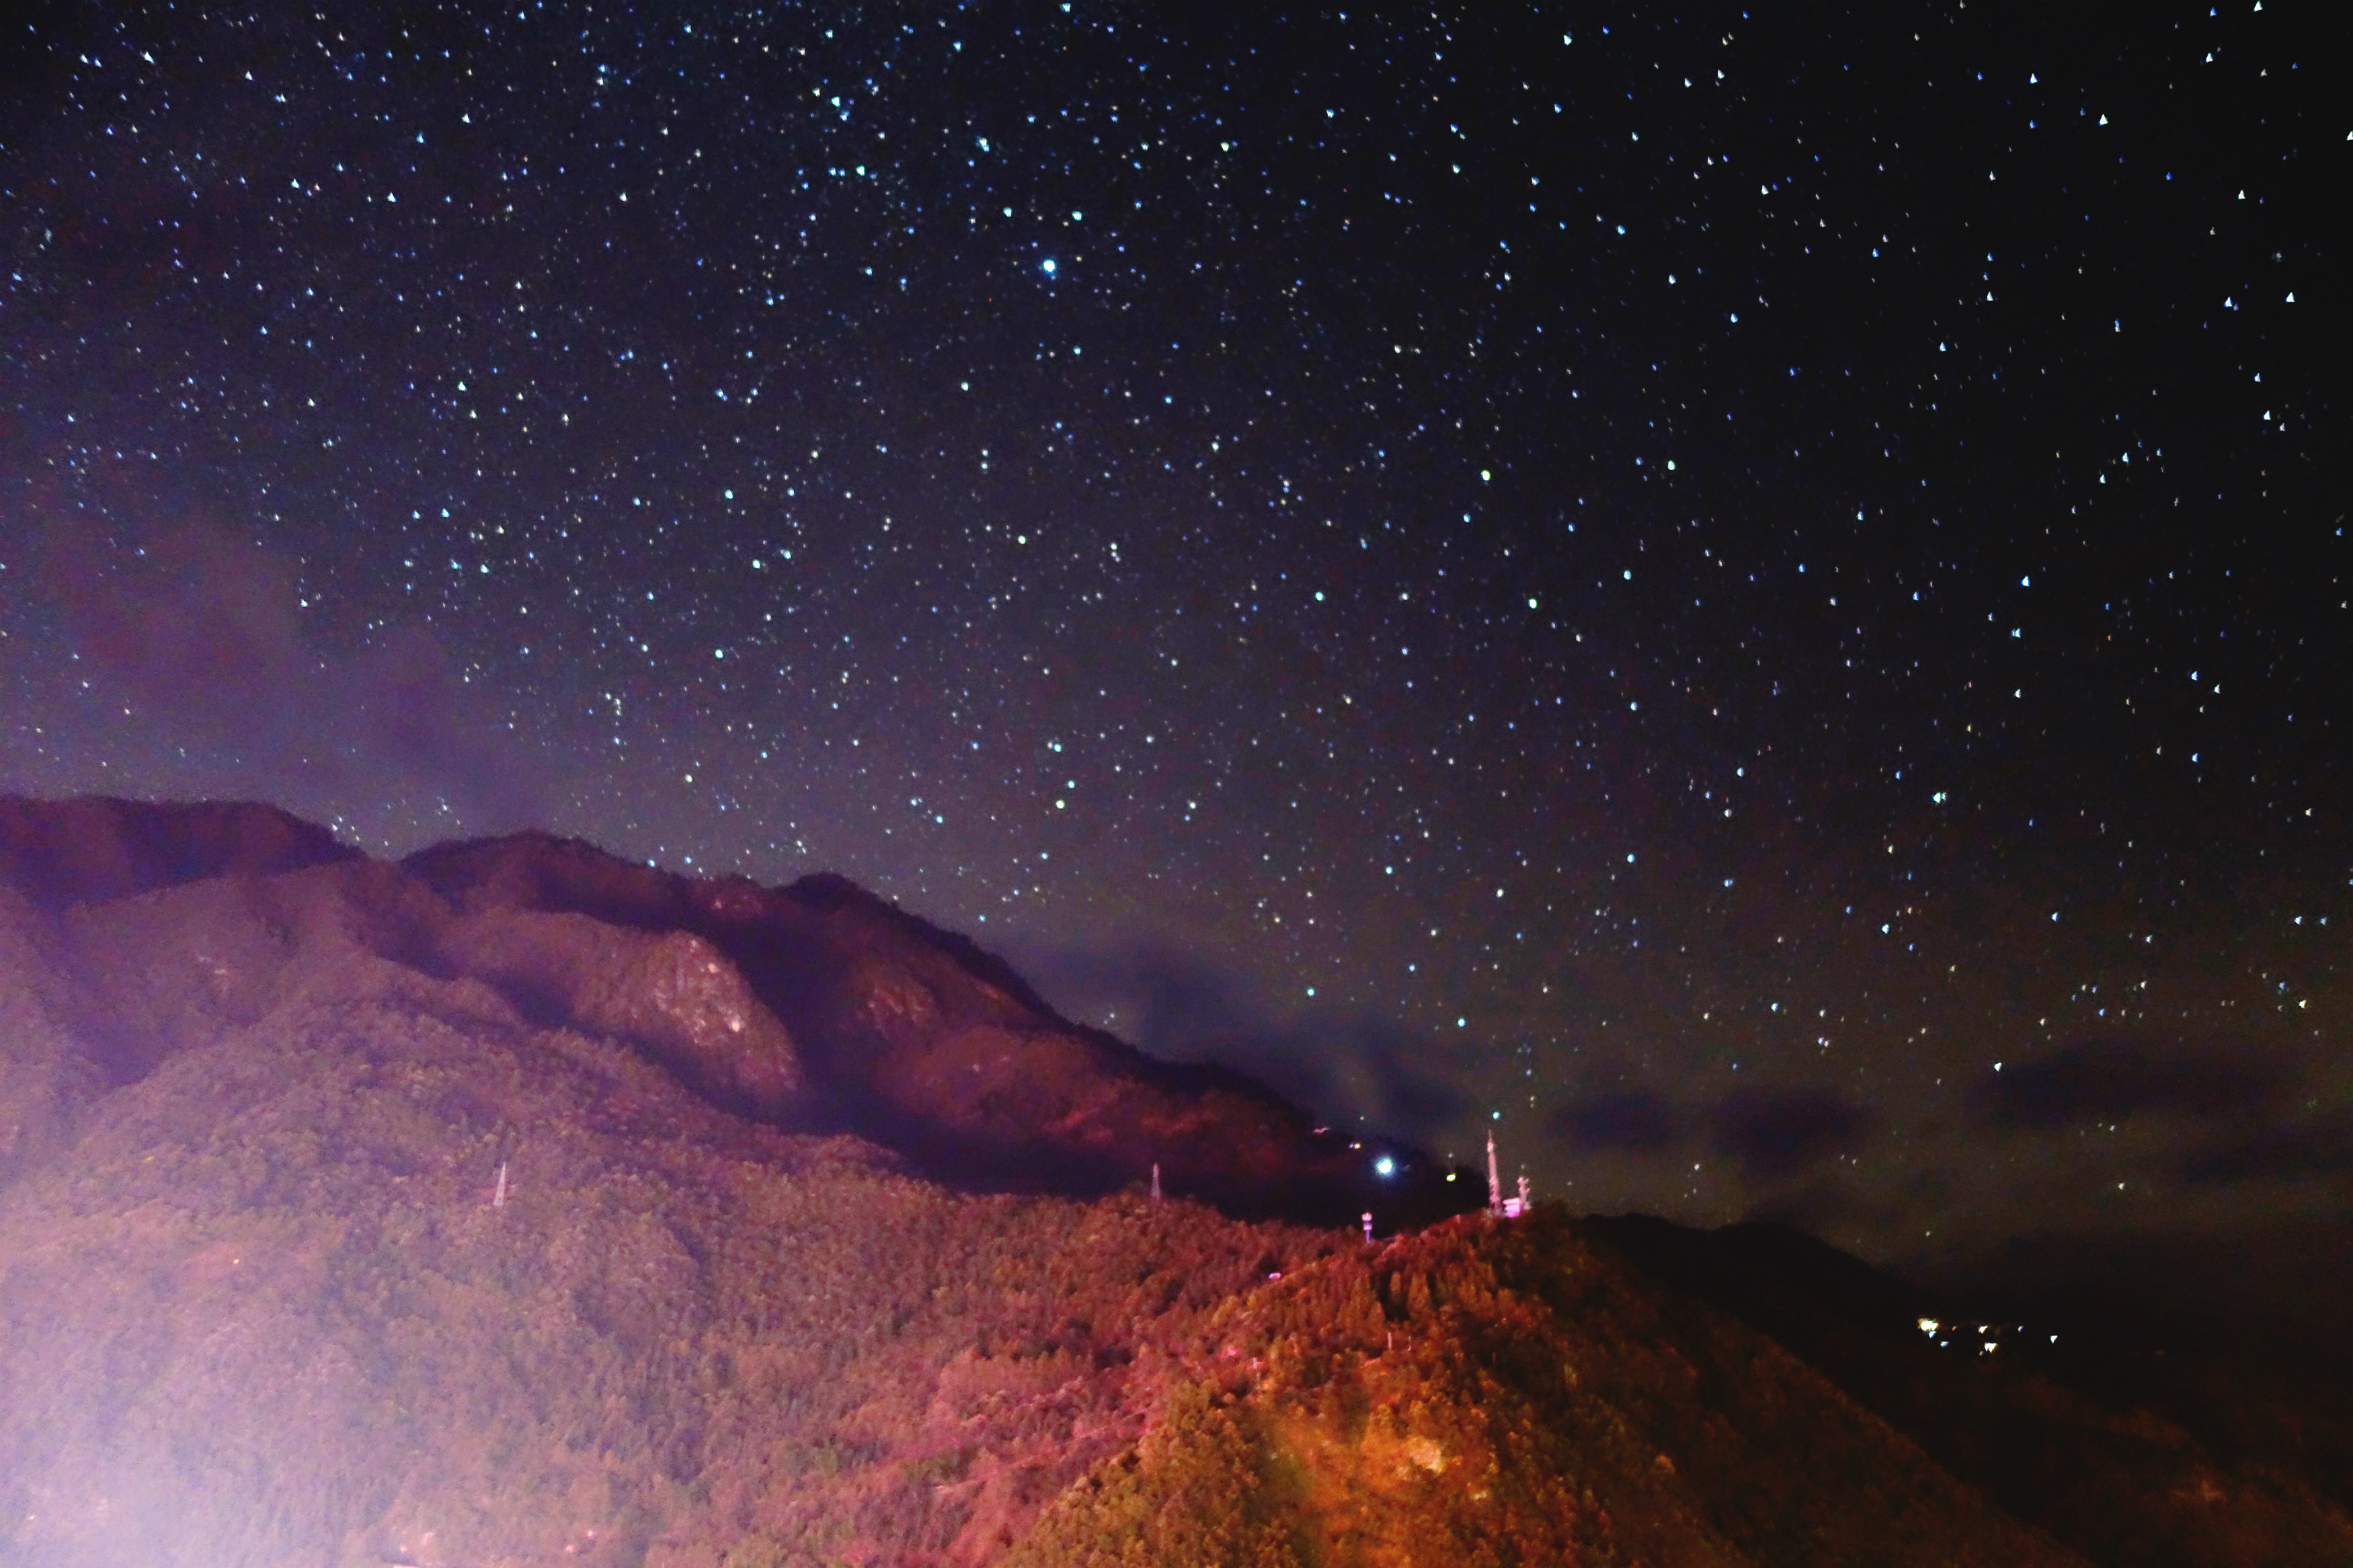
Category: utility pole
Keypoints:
(1156, 1181)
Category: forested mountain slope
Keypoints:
(520, 1206)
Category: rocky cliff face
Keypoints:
(671, 994)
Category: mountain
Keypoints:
(2130, 1437)
(816, 1007)
(514, 1204)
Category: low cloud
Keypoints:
(2112, 1078)
(1159, 998)
(1339, 1065)
(1779, 1133)
(1638, 1119)
(2313, 1146)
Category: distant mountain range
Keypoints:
(515, 1204)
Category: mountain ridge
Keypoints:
(817, 1004)
(95, 848)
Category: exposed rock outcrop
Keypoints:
(671, 994)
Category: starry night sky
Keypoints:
(1756, 602)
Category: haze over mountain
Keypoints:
(514, 1204)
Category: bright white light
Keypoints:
(1384, 1167)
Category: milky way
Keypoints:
(1758, 603)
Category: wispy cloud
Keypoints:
(200, 635)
